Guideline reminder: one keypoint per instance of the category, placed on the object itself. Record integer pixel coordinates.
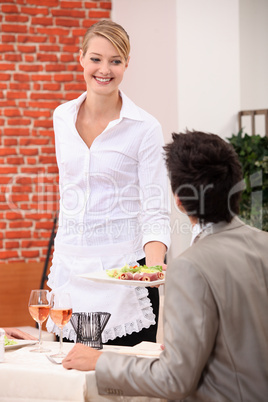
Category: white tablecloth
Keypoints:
(31, 377)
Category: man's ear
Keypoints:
(178, 201)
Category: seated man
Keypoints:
(216, 299)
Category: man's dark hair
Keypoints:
(204, 171)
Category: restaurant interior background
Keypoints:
(194, 64)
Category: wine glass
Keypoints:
(39, 309)
(60, 313)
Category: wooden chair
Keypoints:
(16, 282)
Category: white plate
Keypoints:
(19, 344)
(103, 277)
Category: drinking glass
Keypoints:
(39, 309)
(60, 313)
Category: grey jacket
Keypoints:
(215, 325)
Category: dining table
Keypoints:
(27, 376)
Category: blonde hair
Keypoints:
(112, 31)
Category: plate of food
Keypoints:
(11, 344)
(130, 275)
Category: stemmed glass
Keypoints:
(39, 309)
(60, 313)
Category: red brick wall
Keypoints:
(39, 69)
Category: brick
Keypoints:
(106, 4)
(66, 58)
(29, 151)
(12, 112)
(68, 41)
(52, 31)
(31, 161)
(38, 141)
(47, 133)
(69, 13)
(9, 9)
(9, 142)
(46, 3)
(19, 198)
(29, 58)
(67, 22)
(48, 150)
(21, 77)
(71, 49)
(17, 18)
(16, 95)
(91, 4)
(14, 28)
(18, 234)
(81, 32)
(32, 39)
(8, 151)
(34, 11)
(37, 217)
(32, 170)
(42, 21)
(25, 67)
(63, 77)
(19, 86)
(26, 49)
(30, 253)
(39, 95)
(6, 48)
(4, 255)
(44, 105)
(21, 189)
(5, 77)
(75, 67)
(8, 170)
(55, 67)
(49, 48)
(46, 57)
(44, 225)
(7, 66)
(13, 57)
(8, 38)
(51, 87)
(16, 131)
(75, 87)
(41, 77)
(15, 161)
(36, 113)
(19, 122)
(11, 244)
(71, 4)
(20, 224)
(98, 14)
(47, 159)
(13, 215)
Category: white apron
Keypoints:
(129, 306)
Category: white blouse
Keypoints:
(113, 200)
(117, 189)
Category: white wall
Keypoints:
(254, 59)
(184, 70)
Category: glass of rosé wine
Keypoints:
(60, 313)
(39, 307)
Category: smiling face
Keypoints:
(103, 66)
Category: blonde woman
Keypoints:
(113, 192)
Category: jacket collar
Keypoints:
(220, 227)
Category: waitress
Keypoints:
(113, 193)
